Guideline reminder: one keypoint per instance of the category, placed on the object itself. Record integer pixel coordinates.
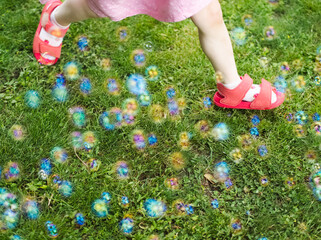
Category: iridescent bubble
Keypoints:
(10, 218)
(136, 84)
(172, 183)
(203, 127)
(65, 188)
(72, 71)
(144, 99)
(52, 230)
(170, 92)
(298, 83)
(262, 150)
(274, 2)
(100, 208)
(111, 119)
(157, 113)
(299, 131)
(106, 64)
(153, 237)
(122, 169)
(148, 46)
(56, 180)
(106, 196)
(93, 164)
(316, 128)
(285, 68)
(239, 36)
(152, 139)
(254, 132)
(58, 154)
(89, 139)
(17, 132)
(177, 160)
(220, 132)
(60, 93)
(181, 103)
(32, 99)
(297, 64)
(76, 140)
(317, 81)
(138, 58)
(11, 172)
(85, 86)
(15, 237)
(78, 116)
(221, 171)
(236, 225)
(82, 43)
(245, 141)
(247, 20)
(79, 219)
(8, 200)
(315, 184)
(46, 165)
(289, 117)
(131, 105)
(152, 73)
(173, 108)
(236, 155)
(318, 52)
(183, 142)
(270, 33)
(154, 208)
(30, 209)
(263, 238)
(264, 181)
(124, 201)
(289, 182)
(112, 86)
(280, 84)
(122, 33)
(301, 118)
(128, 117)
(60, 80)
(207, 102)
(138, 139)
(215, 204)
(311, 155)
(42, 175)
(228, 183)
(255, 120)
(126, 225)
(264, 62)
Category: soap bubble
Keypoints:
(51, 229)
(148, 46)
(317, 81)
(152, 73)
(262, 150)
(301, 118)
(122, 169)
(289, 182)
(78, 116)
(173, 108)
(65, 188)
(112, 86)
(270, 33)
(122, 33)
(172, 183)
(72, 71)
(30, 209)
(299, 131)
(10, 218)
(136, 84)
(315, 184)
(298, 83)
(221, 171)
(60, 93)
(152, 139)
(280, 84)
(254, 132)
(126, 225)
(264, 62)
(105, 64)
(138, 58)
(285, 68)
(207, 102)
(144, 99)
(60, 80)
(131, 105)
(236, 155)
(264, 181)
(79, 219)
(32, 99)
(11, 171)
(85, 86)
(316, 128)
(46, 165)
(215, 204)
(239, 36)
(106, 196)
(154, 208)
(170, 92)
(89, 140)
(76, 140)
(177, 160)
(93, 164)
(247, 20)
(128, 117)
(111, 119)
(17, 132)
(138, 139)
(220, 132)
(203, 127)
(100, 208)
(124, 201)
(236, 225)
(58, 154)
(82, 43)
(157, 113)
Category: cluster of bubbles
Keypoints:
(154, 208)
(86, 140)
(222, 174)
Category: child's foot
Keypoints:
(49, 35)
(246, 95)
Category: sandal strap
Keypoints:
(233, 97)
(50, 50)
(263, 100)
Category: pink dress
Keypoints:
(162, 10)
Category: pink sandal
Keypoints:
(233, 98)
(40, 46)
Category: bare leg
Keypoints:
(73, 11)
(217, 46)
(215, 41)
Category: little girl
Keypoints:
(233, 92)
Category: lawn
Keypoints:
(246, 175)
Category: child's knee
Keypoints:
(215, 15)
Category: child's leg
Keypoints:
(216, 44)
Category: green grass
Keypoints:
(276, 211)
